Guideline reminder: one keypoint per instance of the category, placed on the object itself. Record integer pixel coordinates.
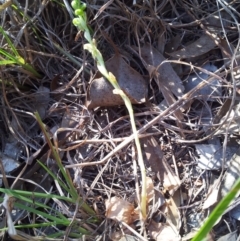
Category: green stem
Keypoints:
(143, 203)
(81, 23)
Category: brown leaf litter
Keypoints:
(100, 92)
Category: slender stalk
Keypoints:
(81, 23)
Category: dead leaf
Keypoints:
(160, 166)
(167, 75)
(227, 51)
(212, 196)
(168, 81)
(235, 210)
(161, 37)
(229, 237)
(208, 92)
(231, 175)
(70, 119)
(12, 150)
(119, 210)
(173, 213)
(100, 92)
(163, 232)
(8, 164)
(150, 189)
(201, 46)
(211, 155)
(206, 42)
(173, 44)
(233, 117)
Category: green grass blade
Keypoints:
(54, 218)
(31, 69)
(27, 19)
(35, 194)
(15, 57)
(8, 55)
(217, 213)
(54, 177)
(36, 225)
(5, 62)
(57, 219)
(15, 52)
(49, 224)
(76, 62)
(31, 202)
(57, 158)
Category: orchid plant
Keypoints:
(80, 21)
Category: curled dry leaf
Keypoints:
(100, 92)
(119, 210)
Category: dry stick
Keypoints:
(182, 101)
